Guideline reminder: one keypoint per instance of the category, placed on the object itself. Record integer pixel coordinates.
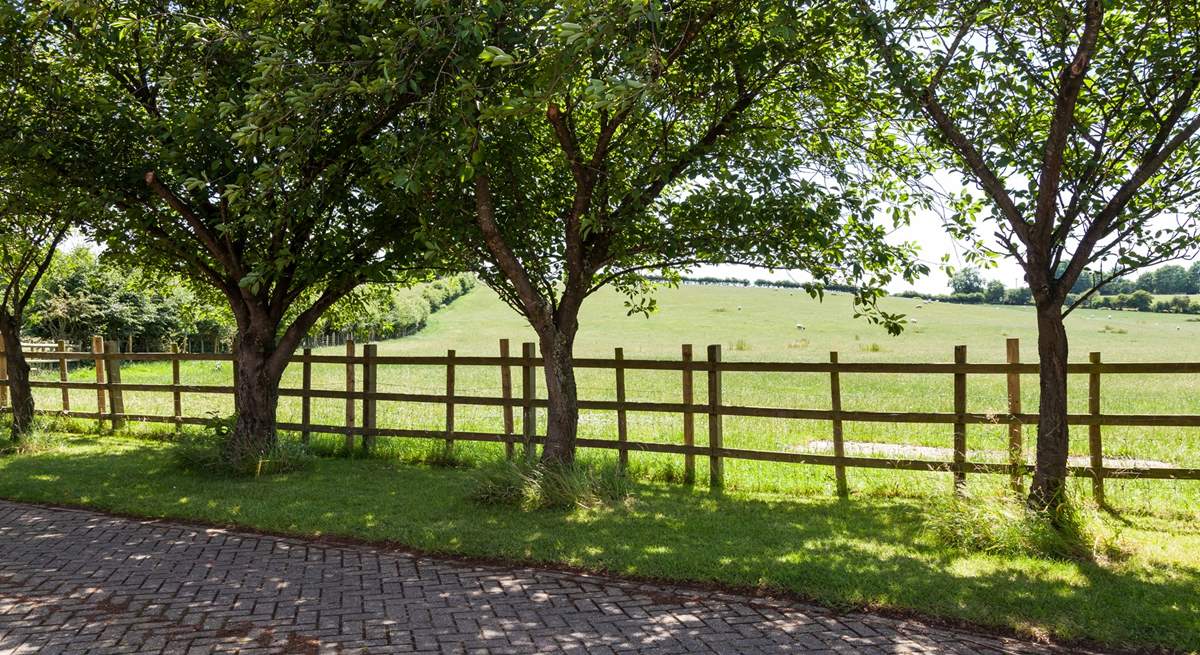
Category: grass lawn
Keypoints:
(778, 526)
(760, 324)
(872, 552)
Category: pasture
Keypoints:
(762, 324)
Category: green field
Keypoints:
(777, 526)
(761, 324)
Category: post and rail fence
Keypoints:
(361, 405)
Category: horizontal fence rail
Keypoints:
(361, 397)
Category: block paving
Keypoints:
(74, 581)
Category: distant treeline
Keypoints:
(743, 282)
(971, 289)
(84, 295)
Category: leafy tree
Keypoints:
(1079, 123)
(602, 142)
(237, 144)
(967, 280)
(1141, 300)
(1173, 279)
(994, 293)
(31, 227)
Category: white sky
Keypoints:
(933, 242)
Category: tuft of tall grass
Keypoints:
(203, 451)
(1001, 523)
(533, 487)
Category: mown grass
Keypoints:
(882, 554)
(760, 324)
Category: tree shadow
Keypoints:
(842, 553)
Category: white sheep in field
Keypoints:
(913, 321)
(800, 326)
(739, 308)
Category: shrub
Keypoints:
(538, 486)
(1002, 524)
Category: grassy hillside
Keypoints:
(761, 324)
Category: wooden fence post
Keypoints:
(689, 418)
(1016, 456)
(1095, 447)
(506, 392)
(176, 380)
(305, 399)
(350, 352)
(960, 425)
(3, 376)
(839, 446)
(62, 376)
(116, 399)
(101, 403)
(370, 384)
(528, 391)
(622, 424)
(449, 400)
(716, 465)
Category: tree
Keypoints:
(967, 280)
(237, 144)
(1172, 279)
(31, 227)
(1079, 123)
(994, 293)
(601, 142)
(1140, 300)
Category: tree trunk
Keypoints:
(18, 378)
(1050, 473)
(256, 399)
(562, 421)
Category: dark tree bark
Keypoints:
(256, 396)
(18, 377)
(1050, 474)
(562, 396)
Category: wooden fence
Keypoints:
(364, 364)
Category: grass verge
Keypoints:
(881, 553)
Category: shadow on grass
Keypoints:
(841, 553)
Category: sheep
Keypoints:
(800, 326)
(739, 308)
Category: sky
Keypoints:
(933, 243)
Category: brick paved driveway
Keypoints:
(80, 582)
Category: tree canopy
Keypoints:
(596, 143)
(237, 144)
(1078, 122)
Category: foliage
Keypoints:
(383, 311)
(666, 136)
(547, 486)
(1001, 524)
(84, 295)
(236, 144)
(967, 280)
(1089, 125)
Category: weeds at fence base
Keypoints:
(1002, 524)
(539, 486)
